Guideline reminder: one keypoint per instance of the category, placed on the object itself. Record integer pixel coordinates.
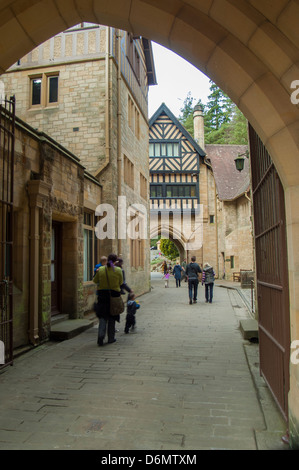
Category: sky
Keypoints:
(175, 77)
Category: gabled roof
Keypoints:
(230, 182)
(163, 109)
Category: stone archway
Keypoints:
(170, 232)
(249, 48)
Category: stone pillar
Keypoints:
(37, 190)
(291, 204)
(198, 123)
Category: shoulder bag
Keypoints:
(117, 305)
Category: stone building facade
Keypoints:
(82, 155)
(233, 216)
(87, 88)
(51, 188)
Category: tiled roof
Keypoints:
(230, 182)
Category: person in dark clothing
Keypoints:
(125, 286)
(132, 306)
(192, 272)
(177, 272)
(109, 280)
(208, 277)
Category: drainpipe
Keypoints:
(119, 115)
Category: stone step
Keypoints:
(249, 329)
(67, 329)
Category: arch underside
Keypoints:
(248, 48)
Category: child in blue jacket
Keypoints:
(132, 306)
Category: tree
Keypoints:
(186, 117)
(223, 121)
(219, 108)
(169, 249)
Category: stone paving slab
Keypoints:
(181, 381)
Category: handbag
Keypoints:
(117, 305)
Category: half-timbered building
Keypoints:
(178, 179)
(197, 197)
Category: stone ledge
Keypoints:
(69, 328)
(249, 329)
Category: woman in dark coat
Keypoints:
(109, 279)
(177, 272)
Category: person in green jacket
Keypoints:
(108, 278)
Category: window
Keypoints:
(36, 91)
(212, 219)
(133, 117)
(232, 262)
(137, 235)
(133, 56)
(151, 150)
(137, 123)
(128, 172)
(163, 149)
(44, 89)
(181, 191)
(130, 112)
(143, 186)
(89, 246)
(53, 89)
(137, 253)
(156, 190)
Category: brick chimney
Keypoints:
(198, 123)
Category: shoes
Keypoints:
(190, 302)
(195, 301)
(113, 341)
(100, 342)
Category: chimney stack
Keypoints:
(198, 123)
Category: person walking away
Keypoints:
(166, 277)
(184, 266)
(132, 306)
(124, 286)
(208, 277)
(192, 271)
(164, 267)
(109, 280)
(177, 272)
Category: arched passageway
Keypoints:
(169, 232)
(248, 48)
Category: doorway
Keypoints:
(56, 268)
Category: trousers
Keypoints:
(193, 287)
(109, 325)
(209, 291)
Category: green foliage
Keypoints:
(169, 249)
(224, 123)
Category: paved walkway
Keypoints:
(185, 380)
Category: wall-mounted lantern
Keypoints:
(239, 161)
